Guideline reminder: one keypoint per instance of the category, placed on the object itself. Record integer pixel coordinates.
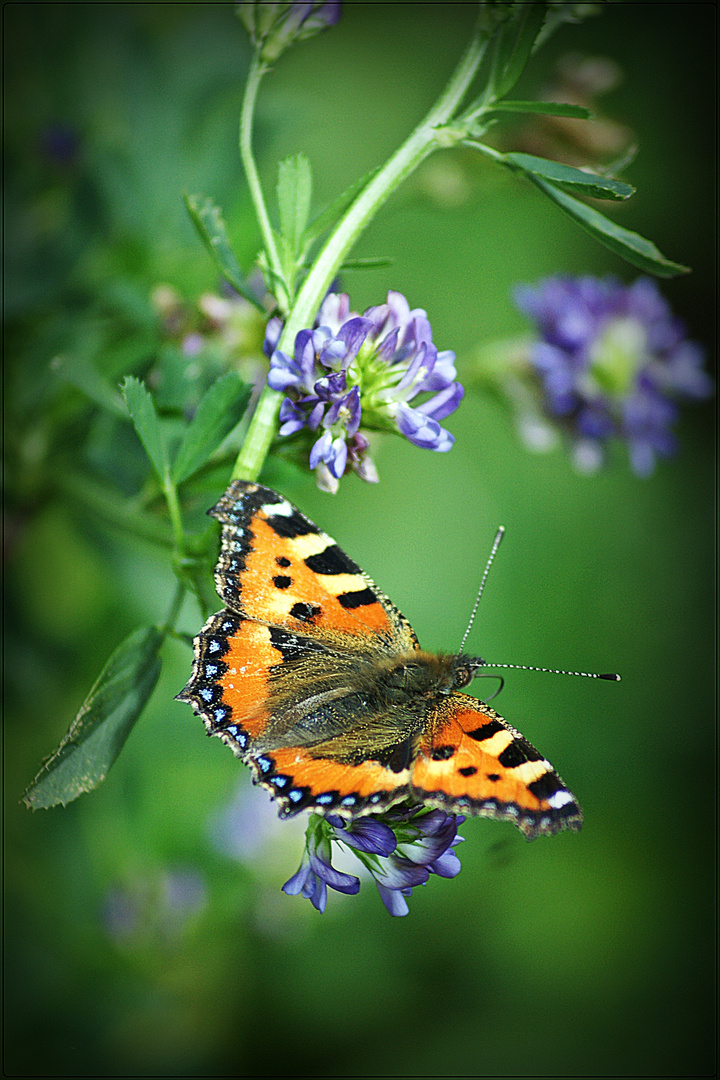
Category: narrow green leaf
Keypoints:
(142, 410)
(517, 38)
(619, 164)
(81, 374)
(99, 731)
(294, 191)
(369, 263)
(546, 108)
(217, 414)
(629, 245)
(208, 220)
(338, 206)
(569, 178)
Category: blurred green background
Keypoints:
(145, 932)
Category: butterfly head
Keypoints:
(464, 669)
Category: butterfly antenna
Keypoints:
(496, 544)
(612, 676)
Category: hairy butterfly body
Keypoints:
(317, 682)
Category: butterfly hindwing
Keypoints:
(302, 779)
(471, 760)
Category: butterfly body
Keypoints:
(315, 680)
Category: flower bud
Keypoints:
(274, 27)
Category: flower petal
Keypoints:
(397, 872)
(298, 881)
(336, 879)
(393, 900)
(447, 866)
(368, 834)
(421, 430)
(320, 449)
(443, 403)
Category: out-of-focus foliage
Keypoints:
(146, 930)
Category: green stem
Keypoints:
(173, 505)
(260, 434)
(257, 70)
(426, 138)
(168, 626)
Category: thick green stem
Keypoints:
(426, 138)
(260, 434)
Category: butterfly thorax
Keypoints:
(425, 675)
(312, 702)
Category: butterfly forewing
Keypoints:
(277, 566)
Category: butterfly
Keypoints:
(315, 680)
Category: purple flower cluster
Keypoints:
(610, 359)
(352, 370)
(400, 851)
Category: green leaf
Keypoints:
(515, 44)
(369, 263)
(81, 374)
(546, 108)
(629, 245)
(208, 220)
(338, 206)
(619, 164)
(142, 410)
(569, 178)
(294, 191)
(104, 722)
(217, 414)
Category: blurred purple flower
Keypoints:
(610, 359)
(158, 905)
(60, 144)
(365, 370)
(400, 849)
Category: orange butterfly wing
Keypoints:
(301, 780)
(470, 760)
(276, 566)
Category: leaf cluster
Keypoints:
(123, 688)
(512, 45)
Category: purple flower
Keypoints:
(317, 872)
(351, 371)
(424, 847)
(400, 849)
(610, 359)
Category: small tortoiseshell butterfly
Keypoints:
(316, 681)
